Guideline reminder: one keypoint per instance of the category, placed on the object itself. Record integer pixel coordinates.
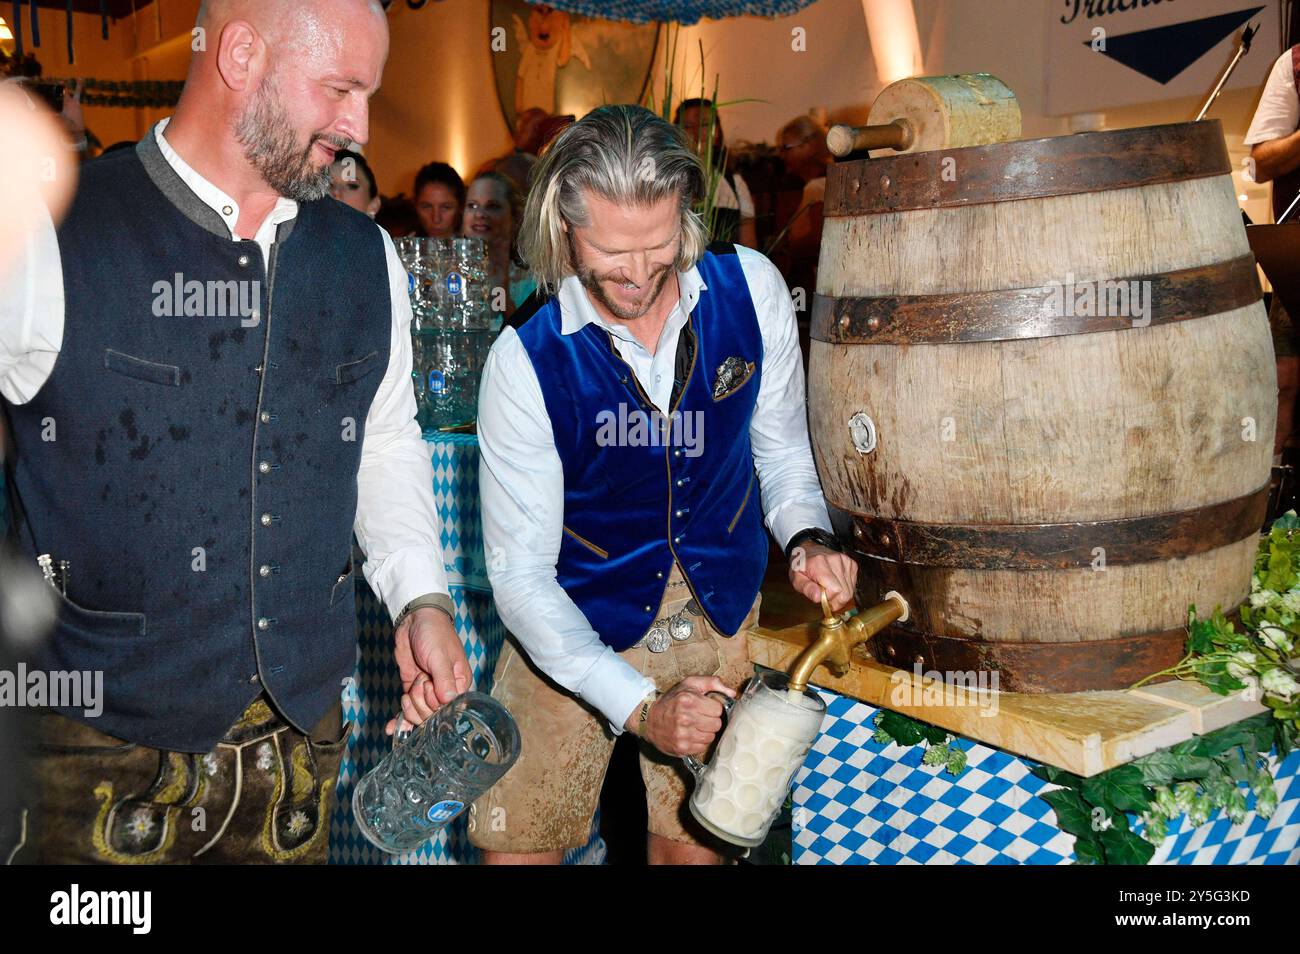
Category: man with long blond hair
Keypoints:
(630, 422)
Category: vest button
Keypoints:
(263, 623)
(264, 467)
(659, 575)
(677, 539)
(647, 609)
(677, 453)
(243, 261)
(266, 519)
(264, 570)
(265, 417)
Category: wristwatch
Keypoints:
(813, 535)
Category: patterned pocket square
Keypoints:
(732, 373)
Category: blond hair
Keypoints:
(624, 154)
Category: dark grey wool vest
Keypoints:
(194, 454)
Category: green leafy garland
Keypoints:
(940, 748)
(1194, 778)
(1205, 774)
(1257, 659)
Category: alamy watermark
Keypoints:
(35, 688)
(636, 427)
(1122, 298)
(78, 906)
(181, 298)
(974, 688)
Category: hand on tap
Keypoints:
(815, 569)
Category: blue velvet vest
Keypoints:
(199, 470)
(634, 503)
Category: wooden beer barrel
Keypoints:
(1050, 483)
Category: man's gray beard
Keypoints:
(586, 277)
(270, 147)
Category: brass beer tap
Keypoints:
(838, 635)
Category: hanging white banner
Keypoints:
(1106, 53)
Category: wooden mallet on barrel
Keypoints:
(933, 112)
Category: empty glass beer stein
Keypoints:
(768, 733)
(434, 771)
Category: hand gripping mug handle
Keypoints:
(695, 765)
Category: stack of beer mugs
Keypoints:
(451, 330)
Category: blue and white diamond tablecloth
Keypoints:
(373, 696)
(455, 491)
(862, 802)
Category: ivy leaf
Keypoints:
(1056, 776)
(1234, 763)
(933, 734)
(1164, 768)
(1267, 733)
(1213, 674)
(1193, 746)
(1072, 815)
(1281, 575)
(1200, 636)
(1288, 736)
(1288, 521)
(904, 730)
(1220, 740)
(1088, 851)
(1121, 788)
(1123, 847)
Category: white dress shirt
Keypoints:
(522, 478)
(1278, 113)
(738, 198)
(396, 522)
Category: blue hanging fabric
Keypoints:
(103, 18)
(36, 24)
(71, 56)
(18, 28)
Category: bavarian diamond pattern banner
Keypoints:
(455, 492)
(859, 802)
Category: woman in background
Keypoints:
(439, 200)
(352, 182)
(493, 208)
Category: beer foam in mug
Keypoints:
(762, 747)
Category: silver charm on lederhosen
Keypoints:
(694, 608)
(657, 640)
(679, 627)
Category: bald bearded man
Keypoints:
(206, 373)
